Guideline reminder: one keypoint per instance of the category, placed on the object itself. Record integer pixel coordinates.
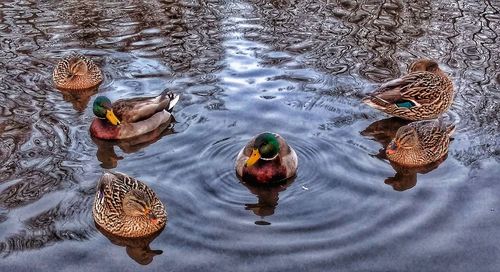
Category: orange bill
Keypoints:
(391, 148)
(152, 217)
(253, 158)
(112, 117)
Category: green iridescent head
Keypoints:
(266, 147)
(103, 109)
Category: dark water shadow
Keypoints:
(106, 149)
(137, 248)
(383, 131)
(13, 134)
(79, 98)
(305, 61)
(406, 177)
(268, 197)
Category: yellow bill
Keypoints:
(253, 158)
(112, 117)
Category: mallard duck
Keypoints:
(76, 72)
(126, 207)
(127, 118)
(420, 143)
(424, 93)
(267, 158)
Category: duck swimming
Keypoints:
(420, 143)
(76, 72)
(267, 158)
(126, 207)
(424, 93)
(127, 118)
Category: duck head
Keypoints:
(138, 204)
(424, 65)
(266, 147)
(103, 109)
(406, 138)
(77, 67)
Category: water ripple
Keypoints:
(299, 68)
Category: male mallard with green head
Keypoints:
(420, 143)
(126, 207)
(424, 93)
(76, 72)
(127, 118)
(267, 158)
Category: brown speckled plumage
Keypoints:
(421, 143)
(65, 79)
(426, 86)
(109, 212)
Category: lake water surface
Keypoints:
(298, 68)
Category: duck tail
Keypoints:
(450, 129)
(76, 54)
(106, 177)
(172, 98)
(164, 94)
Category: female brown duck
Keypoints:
(420, 143)
(76, 72)
(126, 207)
(424, 93)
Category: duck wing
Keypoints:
(411, 90)
(288, 156)
(140, 108)
(434, 133)
(134, 129)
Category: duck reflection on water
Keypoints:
(406, 177)
(268, 197)
(106, 149)
(411, 148)
(79, 98)
(137, 248)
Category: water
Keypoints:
(299, 68)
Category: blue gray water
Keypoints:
(299, 68)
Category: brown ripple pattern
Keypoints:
(354, 44)
(373, 41)
(67, 221)
(44, 145)
(39, 149)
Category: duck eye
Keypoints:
(151, 215)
